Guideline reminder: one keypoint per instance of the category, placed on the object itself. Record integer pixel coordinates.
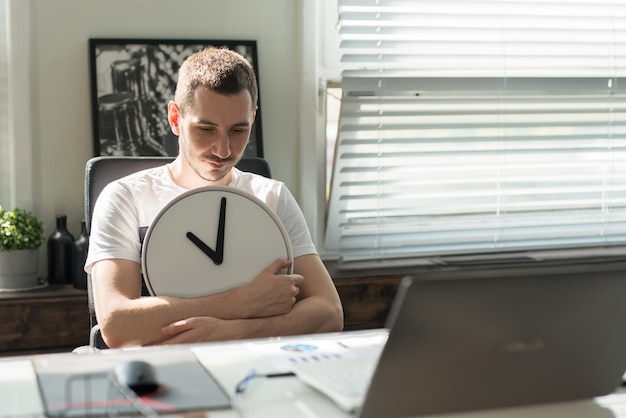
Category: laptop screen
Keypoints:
(484, 338)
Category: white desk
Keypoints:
(279, 397)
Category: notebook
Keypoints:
(491, 338)
(343, 379)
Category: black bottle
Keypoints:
(79, 255)
(60, 253)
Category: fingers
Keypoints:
(272, 292)
(175, 327)
(278, 265)
(275, 268)
(298, 280)
(179, 332)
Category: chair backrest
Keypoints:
(102, 170)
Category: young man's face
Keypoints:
(213, 132)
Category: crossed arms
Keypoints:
(272, 304)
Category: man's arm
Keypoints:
(318, 310)
(127, 319)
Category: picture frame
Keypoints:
(132, 80)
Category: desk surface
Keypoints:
(230, 362)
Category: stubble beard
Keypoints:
(210, 175)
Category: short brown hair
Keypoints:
(219, 69)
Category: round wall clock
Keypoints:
(209, 240)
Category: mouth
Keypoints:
(217, 164)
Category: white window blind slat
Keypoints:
(464, 131)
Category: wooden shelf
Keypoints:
(52, 319)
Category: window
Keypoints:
(16, 157)
(472, 127)
(4, 110)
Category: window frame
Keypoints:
(329, 73)
(18, 191)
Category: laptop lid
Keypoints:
(490, 338)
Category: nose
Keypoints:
(221, 147)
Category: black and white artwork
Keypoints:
(132, 82)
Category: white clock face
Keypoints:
(209, 240)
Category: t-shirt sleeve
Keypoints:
(293, 219)
(114, 226)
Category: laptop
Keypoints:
(483, 338)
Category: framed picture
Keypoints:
(132, 80)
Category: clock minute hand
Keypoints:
(219, 245)
(216, 255)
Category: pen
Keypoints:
(285, 374)
(252, 374)
(243, 385)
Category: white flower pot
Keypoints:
(19, 268)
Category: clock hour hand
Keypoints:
(204, 248)
(216, 255)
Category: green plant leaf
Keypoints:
(19, 230)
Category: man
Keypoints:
(212, 114)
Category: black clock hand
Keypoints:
(204, 248)
(219, 245)
(216, 255)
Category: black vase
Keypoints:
(60, 253)
(79, 256)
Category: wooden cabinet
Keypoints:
(366, 300)
(53, 319)
(56, 318)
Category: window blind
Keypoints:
(479, 126)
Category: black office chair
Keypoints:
(102, 170)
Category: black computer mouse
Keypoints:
(138, 376)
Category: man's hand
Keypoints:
(202, 328)
(271, 293)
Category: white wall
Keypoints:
(62, 130)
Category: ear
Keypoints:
(173, 114)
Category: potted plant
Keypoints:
(21, 235)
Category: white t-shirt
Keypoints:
(126, 208)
